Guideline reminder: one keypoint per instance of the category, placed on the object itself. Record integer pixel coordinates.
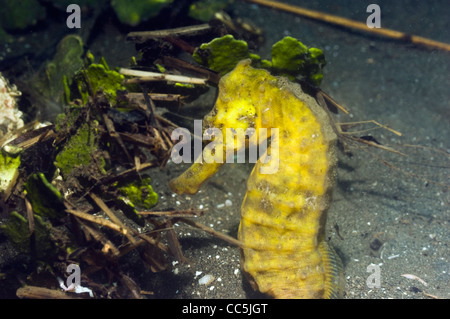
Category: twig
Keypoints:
(183, 45)
(100, 203)
(175, 213)
(33, 292)
(348, 23)
(369, 121)
(385, 148)
(143, 36)
(108, 246)
(324, 98)
(431, 296)
(98, 220)
(128, 172)
(414, 277)
(211, 231)
(113, 133)
(150, 106)
(183, 65)
(174, 244)
(30, 216)
(156, 97)
(146, 76)
(165, 121)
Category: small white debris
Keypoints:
(79, 290)
(228, 203)
(10, 116)
(393, 256)
(206, 280)
(197, 273)
(236, 271)
(220, 205)
(414, 277)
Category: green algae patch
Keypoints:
(101, 77)
(67, 119)
(140, 193)
(78, 150)
(292, 58)
(8, 169)
(204, 10)
(222, 54)
(45, 199)
(67, 61)
(289, 55)
(133, 12)
(17, 230)
(19, 15)
(136, 194)
(95, 77)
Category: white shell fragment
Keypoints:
(10, 116)
(206, 280)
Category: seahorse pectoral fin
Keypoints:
(334, 272)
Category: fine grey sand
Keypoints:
(385, 215)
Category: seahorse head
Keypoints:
(234, 107)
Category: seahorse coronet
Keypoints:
(283, 213)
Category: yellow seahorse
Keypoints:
(283, 214)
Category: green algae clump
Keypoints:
(95, 77)
(132, 12)
(140, 193)
(222, 54)
(136, 193)
(204, 10)
(67, 61)
(78, 150)
(291, 58)
(289, 55)
(45, 199)
(8, 169)
(19, 15)
(17, 230)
